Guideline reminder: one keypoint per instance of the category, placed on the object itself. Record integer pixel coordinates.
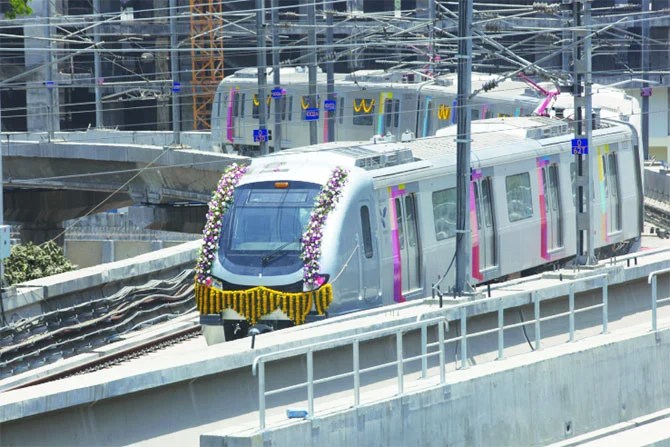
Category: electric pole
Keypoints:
(97, 66)
(262, 76)
(583, 120)
(311, 48)
(330, 70)
(645, 91)
(276, 77)
(463, 145)
(174, 68)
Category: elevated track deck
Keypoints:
(176, 394)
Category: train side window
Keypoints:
(236, 104)
(290, 108)
(341, 112)
(243, 98)
(401, 230)
(396, 112)
(612, 172)
(388, 113)
(367, 232)
(474, 114)
(219, 100)
(254, 109)
(475, 187)
(519, 199)
(364, 110)
(444, 213)
(282, 107)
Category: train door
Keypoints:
(391, 116)
(611, 200)
(552, 206)
(486, 231)
(408, 239)
(425, 123)
(369, 279)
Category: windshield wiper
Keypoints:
(265, 260)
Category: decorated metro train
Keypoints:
(376, 102)
(338, 227)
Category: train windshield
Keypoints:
(262, 230)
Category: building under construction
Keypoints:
(75, 64)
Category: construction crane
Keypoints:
(206, 58)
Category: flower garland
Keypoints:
(221, 200)
(311, 238)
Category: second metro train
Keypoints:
(376, 102)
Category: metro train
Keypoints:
(338, 227)
(376, 102)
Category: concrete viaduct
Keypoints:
(48, 182)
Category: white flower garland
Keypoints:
(221, 200)
(311, 239)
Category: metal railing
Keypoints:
(258, 366)
(427, 349)
(651, 279)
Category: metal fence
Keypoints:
(436, 348)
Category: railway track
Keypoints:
(124, 354)
(31, 343)
(657, 213)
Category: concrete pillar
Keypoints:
(108, 251)
(37, 54)
(38, 233)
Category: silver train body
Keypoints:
(374, 102)
(391, 236)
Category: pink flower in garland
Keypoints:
(311, 239)
(222, 198)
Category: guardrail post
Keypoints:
(653, 303)
(440, 332)
(310, 383)
(424, 352)
(398, 344)
(261, 395)
(538, 335)
(464, 339)
(357, 375)
(605, 306)
(571, 301)
(501, 330)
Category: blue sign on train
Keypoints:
(311, 114)
(277, 92)
(580, 146)
(329, 105)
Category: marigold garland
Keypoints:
(255, 303)
(311, 239)
(222, 198)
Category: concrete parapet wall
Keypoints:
(196, 140)
(44, 294)
(657, 184)
(531, 399)
(90, 253)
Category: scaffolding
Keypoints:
(206, 58)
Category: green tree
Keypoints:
(18, 8)
(29, 261)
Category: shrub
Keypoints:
(29, 261)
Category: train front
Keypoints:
(259, 266)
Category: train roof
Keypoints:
(494, 140)
(289, 75)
